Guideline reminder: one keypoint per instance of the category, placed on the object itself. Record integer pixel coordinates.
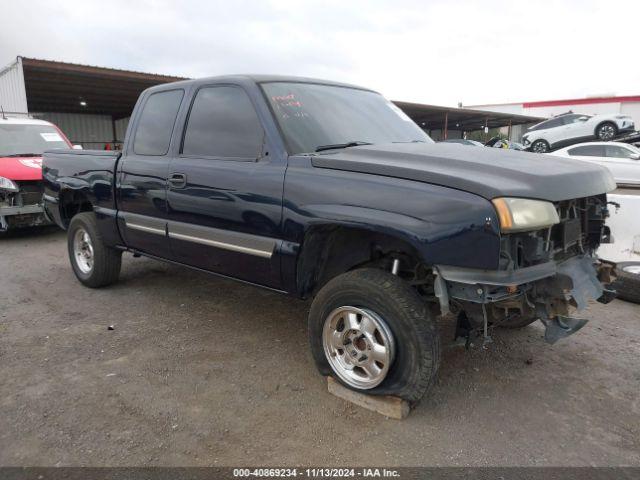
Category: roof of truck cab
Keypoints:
(258, 78)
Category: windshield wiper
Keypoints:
(22, 155)
(411, 141)
(342, 145)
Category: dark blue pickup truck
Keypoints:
(328, 191)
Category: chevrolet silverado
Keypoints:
(328, 191)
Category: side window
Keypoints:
(539, 126)
(554, 122)
(569, 119)
(153, 133)
(617, 151)
(588, 151)
(223, 124)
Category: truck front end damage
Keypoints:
(21, 205)
(544, 274)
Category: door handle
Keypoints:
(177, 180)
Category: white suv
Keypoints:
(570, 128)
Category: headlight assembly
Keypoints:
(6, 184)
(522, 214)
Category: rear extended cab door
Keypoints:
(141, 179)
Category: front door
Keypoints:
(625, 168)
(142, 174)
(574, 126)
(225, 191)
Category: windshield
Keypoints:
(633, 148)
(18, 139)
(313, 116)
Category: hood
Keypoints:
(21, 168)
(488, 172)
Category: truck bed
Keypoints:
(87, 172)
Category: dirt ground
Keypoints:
(204, 371)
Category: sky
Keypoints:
(437, 52)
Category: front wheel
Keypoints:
(373, 333)
(94, 264)
(540, 146)
(606, 131)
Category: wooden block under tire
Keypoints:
(392, 407)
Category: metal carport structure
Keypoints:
(442, 123)
(92, 104)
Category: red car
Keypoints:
(22, 142)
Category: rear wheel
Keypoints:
(606, 131)
(627, 282)
(373, 333)
(94, 264)
(540, 146)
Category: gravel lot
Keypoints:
(205, 371)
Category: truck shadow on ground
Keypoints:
(31, 233)
(217, 307)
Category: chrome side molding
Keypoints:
(214, 237)
(225, 239)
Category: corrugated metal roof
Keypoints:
(69, 67)
(53, 86)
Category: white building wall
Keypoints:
(633, 110)
(13, 95)
(513, 108)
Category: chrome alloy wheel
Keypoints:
(606, 132)
(633, 269)
(83, 250)
(358, 345)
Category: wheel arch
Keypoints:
(602, 122)
(542, 139)
(70, 203)
(331, 249)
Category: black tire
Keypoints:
(106, 261)
(606, 131)
(627, 284)
(540, 146)
(417, 344)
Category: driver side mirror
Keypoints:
(77, 147)
(583, 119)
(635, 156)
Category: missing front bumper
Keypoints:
(25, 216)
(546, 291)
